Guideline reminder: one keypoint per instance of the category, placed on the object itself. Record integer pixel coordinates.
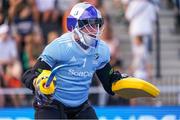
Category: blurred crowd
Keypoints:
(27, 26)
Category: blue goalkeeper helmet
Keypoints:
(86, 21)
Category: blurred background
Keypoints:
(144, 41)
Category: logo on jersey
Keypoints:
(95, 61)
(76, 13)
(73, 59)
(80, 73)
(96, 56)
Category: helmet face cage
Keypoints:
(93, 27)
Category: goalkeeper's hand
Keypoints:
(43, 95)
(116, 76)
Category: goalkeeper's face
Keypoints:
(91, 27)
(90, 31)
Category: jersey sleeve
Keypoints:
(105, 55)
(51, 54)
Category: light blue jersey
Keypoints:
(73, 80)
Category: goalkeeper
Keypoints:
(82, 54)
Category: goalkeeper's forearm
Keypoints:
(32, 73)
(107, 76)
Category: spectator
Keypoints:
(22, 29)
(49, 17)
(7, 44)
(45, 9)
(9, 63)
(23, 20)
(12, 9)
(12, 79)
(141, 14)
(13, 4)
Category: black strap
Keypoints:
(85, 47)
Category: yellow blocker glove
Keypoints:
(43, 94)
(131, 87)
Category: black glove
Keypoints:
(116, 75)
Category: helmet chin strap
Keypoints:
(86, 39)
